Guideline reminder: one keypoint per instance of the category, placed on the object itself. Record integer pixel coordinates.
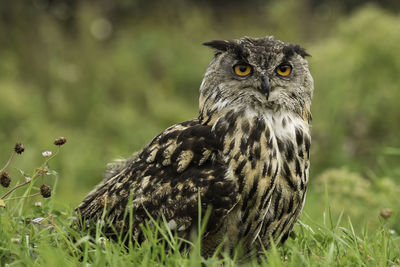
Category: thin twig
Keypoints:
(12, 198)
(16, 187)
(9, 161)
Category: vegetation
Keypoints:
(110, 77)
(41, 235)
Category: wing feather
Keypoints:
(166, 179)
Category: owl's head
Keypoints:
(257, 73)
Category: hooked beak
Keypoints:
(265, 87)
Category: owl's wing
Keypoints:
(166, 179)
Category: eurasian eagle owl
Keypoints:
(246, 156)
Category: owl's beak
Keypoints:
(265, 88)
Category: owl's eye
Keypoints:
(283, 70)
(242, 70)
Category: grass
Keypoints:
(43, 236)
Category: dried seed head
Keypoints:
(5, 179)
(386, 213)
(45, 191)
(60, 141)
(19, 148)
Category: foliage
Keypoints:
(356, 91)
(43, 237)
(359, 198)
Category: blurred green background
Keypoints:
(110, 75)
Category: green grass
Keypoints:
(53, 242)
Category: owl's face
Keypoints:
(262, 73)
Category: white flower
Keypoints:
(46, 153)
(16, 240)
(102, 240)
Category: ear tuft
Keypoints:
(301, 51)
(219, 45)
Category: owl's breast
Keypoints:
(268, 156)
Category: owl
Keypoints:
(245, 158)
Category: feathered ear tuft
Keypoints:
(220, 45)
(301, 51)
(290, 49)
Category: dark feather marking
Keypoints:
(253, 162)
(245, 215)
(265, 226)
(257, 152)
(231, 119)
(250, 194)
(285, 237)
(243, 145)
(269, 143)
(248, 227)
(286, 222)
(263, 198)
(171, 135)
(289, 151)
(265, 168)
(281, 145)
(276, 205)
(276, 173)
(287, 174)
(245, 127)
(307, 143)
(301, 154)
(269, 171)
(299, 137)
(290, 205)
(270, 186)
(253, 137)
(267, 133)
(298, 169)
(240, 167)
(231, 145)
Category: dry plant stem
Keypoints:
(35, 176)
(8, 162)
(12, 198)
(16, 187)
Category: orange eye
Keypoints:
(242, 69)
(283, 70)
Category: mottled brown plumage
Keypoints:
(246, 155)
